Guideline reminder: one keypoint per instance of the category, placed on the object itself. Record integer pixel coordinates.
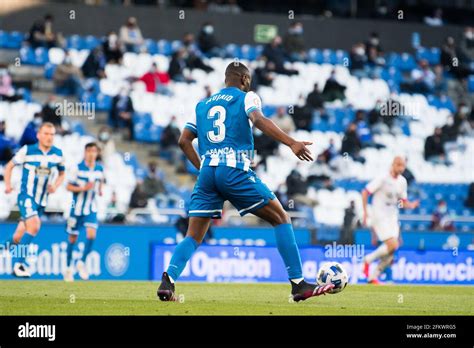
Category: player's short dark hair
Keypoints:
(237, 68)
(92, 144)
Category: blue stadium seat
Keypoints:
(91, 42)
(40, 56)
(49, 69)
(3, 39)
(104, 102)
(404, 61)
(432, 55)
(27, 55)
(75, 42)
(233, 51)
(151, 46)
(471, 83)
(164, 47)
(15, 38)
(315, 56)
(248, 52)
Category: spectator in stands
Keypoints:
(131, 36)
(208, 43)
(314, 100)
(42, 33)
(466, 50)
(434, 150)
(351, 144)
(67, 77)
(469, 202)
(121, 112)
(7, 145)
(330, 153)
(422, 78)
(139, 197)
(29, 133)
(152, 184)
(349, 224)
(7, 92)
(333, 90)
(364, 132)
(51, 112)
(358, 60)
(113, 49)
(302, 115)
(156, 81)
(375, 62)
(275, 53)
(169, 142)
(440, 220)
(113, 213)
(320, 173)
(177, 65)
(449, 58)
(408, 175)
(293, 42)
(373, 42)
(264, 146)
(194, 55)
(264, 73)
(106, 145)
(94, 65)
(297, 189)
(283, 120)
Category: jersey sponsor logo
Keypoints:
(217, 97)
(42, 171)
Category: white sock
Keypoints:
(382, 250)
(296, 280)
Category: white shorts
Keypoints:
(385, 226)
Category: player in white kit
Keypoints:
(389, 194)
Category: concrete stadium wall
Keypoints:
(159, 23)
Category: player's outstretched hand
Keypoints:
(301, 151)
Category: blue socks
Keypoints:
(286, 244)
(87, 249)
(181, 255)
(25, 241)
(69, 250)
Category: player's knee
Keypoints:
(392, 245)
(280, 218)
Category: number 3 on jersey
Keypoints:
(217, 113)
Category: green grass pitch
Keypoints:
(35, 297)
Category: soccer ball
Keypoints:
(333, 273)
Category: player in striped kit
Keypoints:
(39, 162)
(86, 181)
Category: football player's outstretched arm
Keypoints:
(268, 127)
(186, 144)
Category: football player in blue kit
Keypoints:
(223, 126)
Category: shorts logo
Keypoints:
(117, 259)
(252, 179)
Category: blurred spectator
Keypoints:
(152, 184)
(106, 145)
(297, 189)
(436, 20)
(333, 90)
(274, 53)
(51, 112)
(7, 145)
(314, 100)
(29, 133)
(113, 48)
(156, 81)
(422, 78)
(264, 146)
(139, 197)
(113, 213)
(349, 224)
(293, 42)
(177, 65)
(408, 175)
(207, 41)
(358, 60)
(449, 58)
(194, 55)
(364, 132)
(283, 120)
(67, 77)
(466, 49)
(330, 152)
(264, 73)
(42, 34)
(94, 65)
(121, 112)
(440, 220)
(7, 92)
(320, 173)
(351, 144)
(169, 142)
(302, 115)
(469, 202)
(374, 42)
(440, 85)
(131, 36)
(434, 150)
(207, 91)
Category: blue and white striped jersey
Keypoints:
(84, 203)
(223, 128)
(37, 171)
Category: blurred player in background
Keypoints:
(390, 193)
(85, 182)
(38, 161)
(223, 127)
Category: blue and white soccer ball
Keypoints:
(333, 273)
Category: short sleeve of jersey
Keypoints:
(374, 185)
(191, 124)
(61, 164)
(252, 102)
(20, 156)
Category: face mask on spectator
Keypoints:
(464, 110)
(104, 136)
(209, 29)
(469, 35)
